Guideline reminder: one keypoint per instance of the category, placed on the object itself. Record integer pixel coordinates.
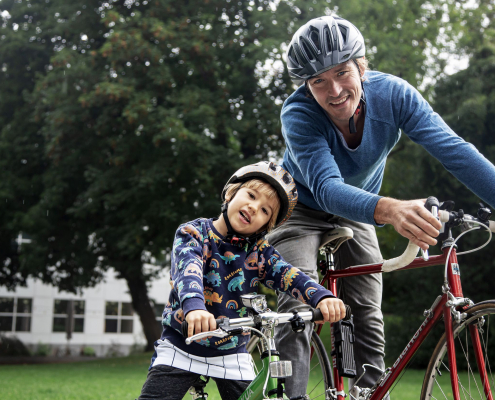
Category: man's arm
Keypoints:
(410, 219)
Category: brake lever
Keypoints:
(217, 333)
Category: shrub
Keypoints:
(88, 351)
(43, 349)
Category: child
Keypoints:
(214, 261)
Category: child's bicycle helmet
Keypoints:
(277, 177)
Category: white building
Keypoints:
(103, 319)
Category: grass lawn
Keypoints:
(116, 378)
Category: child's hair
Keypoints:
(262, 187)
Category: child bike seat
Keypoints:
(332, 239)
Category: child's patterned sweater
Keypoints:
(210, 274)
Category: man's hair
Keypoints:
(262, 187)
(363, 67)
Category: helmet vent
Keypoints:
(272, 167)
(315, 38)
(328, 42)
(286, 178)
(343, 31)
(292, 56)
(309, 53)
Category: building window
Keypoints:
(68, 316)
(118, 317)
(15, 314)
(158, 308)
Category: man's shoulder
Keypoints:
(381, 80)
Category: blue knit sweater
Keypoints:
(345, 182)
(210, 274)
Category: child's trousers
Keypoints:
(169, 383)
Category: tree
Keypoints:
(140, 111)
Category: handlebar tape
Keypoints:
(404, 259)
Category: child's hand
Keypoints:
(333, 309)
(200, 321)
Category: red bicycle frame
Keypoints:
(440, 308)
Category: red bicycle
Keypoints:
(468, 328)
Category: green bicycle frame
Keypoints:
(255, 390)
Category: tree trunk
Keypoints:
(141, 304)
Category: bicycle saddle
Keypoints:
(332, 239)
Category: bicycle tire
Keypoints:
(436, 384)
(321, 376)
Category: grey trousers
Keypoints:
(297, 241)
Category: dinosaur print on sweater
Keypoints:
(236, 283)
(210, 274)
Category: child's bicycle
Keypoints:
(260, 322)
(460, 365)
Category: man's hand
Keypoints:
(200, 321)
(333, 309)
(410, 218)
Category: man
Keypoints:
(339, 127)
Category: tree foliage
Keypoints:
(121, 119)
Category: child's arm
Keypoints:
(200, 321)
(332, 308)
(280, 275)
(187, 268)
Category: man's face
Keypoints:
(338, 91)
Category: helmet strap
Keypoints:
(232, 236)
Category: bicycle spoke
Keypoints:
(312, 398)
(444, 395)
(487, 361)
(471, 373)
(470, 369)
(316, 365)
(321, 380)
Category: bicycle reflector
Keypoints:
(343, 333)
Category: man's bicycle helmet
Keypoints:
(320, 45)
(277, 177)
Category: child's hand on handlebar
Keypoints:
(332, 308)
(200, 321)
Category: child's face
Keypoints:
(250, 210)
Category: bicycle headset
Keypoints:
(278, 178)
(320, 45)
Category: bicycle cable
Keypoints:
(467, 251)
(269, 357)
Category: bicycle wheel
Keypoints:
(436, 384)
(320, 376)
